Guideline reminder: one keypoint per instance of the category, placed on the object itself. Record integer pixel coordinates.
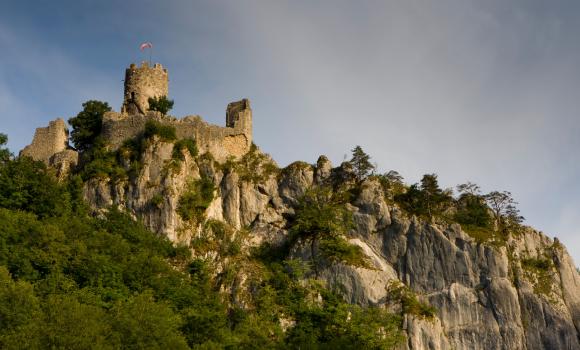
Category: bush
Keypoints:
(165, 132)
(398, 293)
(339, 249)
(540, 272)
(160, 104)
(181, 145)
(472, 210)
(254, 166)
(195, 200)
(538, 263)
(321, 214)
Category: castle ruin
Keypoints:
(50, 145)
(141, 83)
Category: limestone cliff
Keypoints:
(486, 295)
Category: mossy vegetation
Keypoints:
(540, 271)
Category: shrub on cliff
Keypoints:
(165, 132)
(86, 126)
(195, 200)
(181, 145)
(160, 104)
(361, 164)
(321, 215)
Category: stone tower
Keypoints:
(239, 117)
(141, 83)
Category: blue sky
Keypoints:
(482, 91)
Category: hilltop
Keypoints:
(169, 232)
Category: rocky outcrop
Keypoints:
(485, 295)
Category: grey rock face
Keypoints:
(484, 295)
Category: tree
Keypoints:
(469, 188)
(321, 214)
(4, 152)
(86, 126)
(504, 209)
(361, 163)
(471, 207)
(426, 199)
(26, 184)
(160, 104)
(392, 183)
(434, 198)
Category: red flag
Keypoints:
(146, 45)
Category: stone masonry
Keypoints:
(47, 141)
(50, 144)
(221, 142)
(141, 83)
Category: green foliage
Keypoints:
(100, 163)
(361, 164)
(321, 214)
(160, 104)
(540, 272)
(157, 200)
(195, 200)
(543, 264)
(217, 237)
(392, 184)
(86, 126)
(147, 324)
(426, 200)
(472, 210)
(503, 206)
(338, 249)
(155, 128)
(28, 185)
(4, 152)
(400, 294)
(320, 319)
(180, 146)
(254, 167)
(71, 281)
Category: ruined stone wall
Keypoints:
(47, 141)
(141, 83)
(233, 140)
(50, 145)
